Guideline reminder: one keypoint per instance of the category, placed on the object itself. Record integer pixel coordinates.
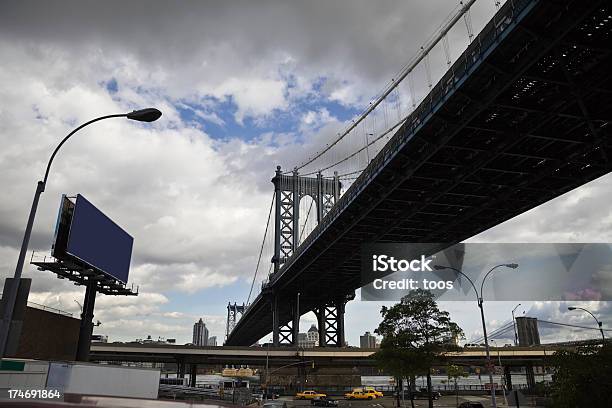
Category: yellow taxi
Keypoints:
(309, 395)
(372, 390)
(359, 394)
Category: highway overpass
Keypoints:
(279, 356)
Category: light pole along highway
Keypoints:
(482, 317)
(142, 115)
(603, 337)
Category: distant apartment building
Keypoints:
(200, 334)
(212, 341)
(367, 340)
(309, 339)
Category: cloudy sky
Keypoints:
(243, 86)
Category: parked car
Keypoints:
(421, 393)
(309, 395)
(358, 395)
(323, 402)
(266, 396)
(471, 404)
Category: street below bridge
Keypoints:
(390, 402)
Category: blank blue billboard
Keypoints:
(96, 240)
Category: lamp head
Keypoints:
(145, 115)
(512, 265)
(440, 267)
(571, 308)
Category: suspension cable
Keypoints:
(572, 325)
(496, 332)
(370, 143)
(407, 69)
(262, 247)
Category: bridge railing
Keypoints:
(455, 76)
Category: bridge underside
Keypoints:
(516, 122)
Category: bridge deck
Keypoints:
(522, 117)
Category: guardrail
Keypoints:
(239, 396)
(47, 308)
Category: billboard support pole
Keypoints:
(86, 328)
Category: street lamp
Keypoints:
(514, 325)
(603, 338)
(142, 115)
(484, 327)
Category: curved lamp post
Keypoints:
(142, 115)
(603, 338)
(484, 327)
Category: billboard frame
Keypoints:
(68, 266)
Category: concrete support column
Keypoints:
(180, 369)
(530, 376)
(508, 376)
(193, 374)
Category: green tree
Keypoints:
(415, 334)
(453, 372)
(582, 377)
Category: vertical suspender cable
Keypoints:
(446, 50)
(467, 18)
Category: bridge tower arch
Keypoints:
(289, 190)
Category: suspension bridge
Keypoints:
(519, 117)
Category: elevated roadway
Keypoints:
(279, 356)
